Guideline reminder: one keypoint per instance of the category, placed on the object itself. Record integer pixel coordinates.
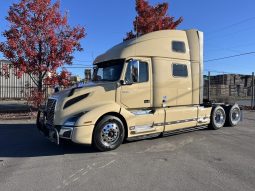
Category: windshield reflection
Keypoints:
(108, 71)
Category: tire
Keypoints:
(233, 114)
(109, 133)
(218, 118)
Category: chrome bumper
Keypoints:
(48, 131)
(53, 133)
(66, 132)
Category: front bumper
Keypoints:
(53, 133)
(79, 135)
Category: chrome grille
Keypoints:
(51, 103)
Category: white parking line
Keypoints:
(76, 179)
(77, 175)
(107, 164)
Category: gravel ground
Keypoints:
(199, 160)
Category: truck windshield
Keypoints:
(108, 71)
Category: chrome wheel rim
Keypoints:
(219, 118)
(235, 115)
(110, 134)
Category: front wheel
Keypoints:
(218, 118)
(108, 134)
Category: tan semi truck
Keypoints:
(141, 88)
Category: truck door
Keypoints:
(136, 90)
(181, 113)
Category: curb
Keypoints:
(7, 116)
(17, 118)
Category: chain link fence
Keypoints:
(21, 92)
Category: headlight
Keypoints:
(71, 121)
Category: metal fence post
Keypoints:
(252, 91)
(209, 84)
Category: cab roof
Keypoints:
(154, 44)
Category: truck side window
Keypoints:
(178, 46)
(137, 72)
(180, 70)
(143, 72)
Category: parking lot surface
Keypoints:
(199, 160)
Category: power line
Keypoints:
(229, 34)
(83, 61)
(227, 57)
(233, 25)
(79, 67)
(219, 72)
(230, 48)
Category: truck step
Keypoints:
(142, 137)
(142, 128)
(184, 130)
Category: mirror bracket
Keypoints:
(125, 83)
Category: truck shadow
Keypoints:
(18, 140)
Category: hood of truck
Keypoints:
(82, 100)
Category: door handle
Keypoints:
(147, 101)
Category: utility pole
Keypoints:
(209, 84)
(252, 91)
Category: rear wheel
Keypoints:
(218, 118)
(233, 115)
(108, 134)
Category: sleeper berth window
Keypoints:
(180, 70)
(178, 46)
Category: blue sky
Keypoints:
(229, 28)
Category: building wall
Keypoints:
(13, 87)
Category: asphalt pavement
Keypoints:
(200, 160)
(13, 106)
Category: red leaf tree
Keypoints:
(62, 79)
(151, 18)
(39, 40)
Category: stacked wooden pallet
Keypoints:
(228, 85)
(219, 90)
